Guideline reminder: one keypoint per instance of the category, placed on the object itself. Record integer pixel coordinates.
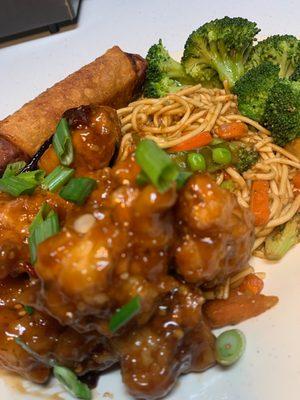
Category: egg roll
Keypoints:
(113, 79)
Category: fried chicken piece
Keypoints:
(45, 339)
(105, 256)
(95, 132)
(174, 341)
(215, 234)
(16, 215)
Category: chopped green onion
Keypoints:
(142, 179)
(29, 310)
(196, 162)
(24, 183)
(77, 190)
(182, 178)
(62, 143)
(13, 169)
(228, 184)
(71, 382)
(64, 375)
(125, 313)
(40, 216)
(221, 155)
(45, 225)
(230, 346)
(57, 178)
(156, 164)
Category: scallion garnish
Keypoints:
(182, 177)
(142, 179)
(62, 143)
(64, 375)
(40, 216)
(24, 183)
(230, 347)
(13, 169)
(70, 381)
(156, 164)
(44, 225)
(57, 178)
(125, 313)
(29, 310)
(77, 190)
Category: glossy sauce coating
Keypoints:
(215, 233)
(127, 240)
(95, 131)
(46, 338)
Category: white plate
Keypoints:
(270, 369)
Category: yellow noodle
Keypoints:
(179, 117)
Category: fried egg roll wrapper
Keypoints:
(112, 79)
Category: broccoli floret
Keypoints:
(243, 157)
(296, 74)
(246, 159)
(282, 50)
(282, 113)
(161, 88)
(282, 239)
(221, 46)
(253, 90)
(164, 74)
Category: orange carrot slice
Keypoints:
(260, 202)
(252, 284)
(296, 180)
(232, 130)
(202, 139)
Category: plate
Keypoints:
(270, 368)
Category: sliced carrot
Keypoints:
(232, 130)
(202, 139)
(260, 202)
(237, 308)
(252, 284)
(296, 180)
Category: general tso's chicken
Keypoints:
(175, 341)
(215, 234)
(126, 241)
(105, 256)
(95, 131)
(43, 338)
(16, 215)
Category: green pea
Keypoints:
(196, 162)
(221, 155)
(230, 346)
(228, 185)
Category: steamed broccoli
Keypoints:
(253, 90)
(282, 50)
(282, 112)
(164, 74)
(243, 157)
(282, 239)
(246, 159)
(221, 46)
(296, 74)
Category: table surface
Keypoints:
(271, 367)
